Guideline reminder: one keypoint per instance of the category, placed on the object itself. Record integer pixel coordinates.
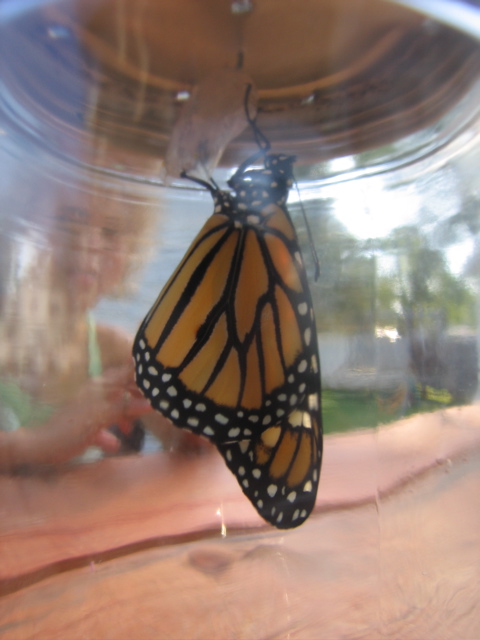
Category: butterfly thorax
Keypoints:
(257, 188)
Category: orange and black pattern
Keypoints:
(229, 349)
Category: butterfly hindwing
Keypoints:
(278, 468)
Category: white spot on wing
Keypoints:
(272, 490)
(296, 418)
(313, 402)
(244, 444)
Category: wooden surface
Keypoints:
(134, 547)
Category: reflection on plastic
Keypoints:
(163, 543)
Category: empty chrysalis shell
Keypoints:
(212, 117)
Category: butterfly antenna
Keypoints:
(316, 261)
(211, 186)
(210, 178)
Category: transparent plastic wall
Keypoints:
(114, 523)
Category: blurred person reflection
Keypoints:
(64, 380)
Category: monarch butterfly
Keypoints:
(229, 349)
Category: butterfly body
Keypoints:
(229, 349)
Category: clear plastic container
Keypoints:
(116, 524)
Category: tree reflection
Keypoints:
(402, 281)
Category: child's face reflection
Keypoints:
(89, 250)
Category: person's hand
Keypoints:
(112, 398)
